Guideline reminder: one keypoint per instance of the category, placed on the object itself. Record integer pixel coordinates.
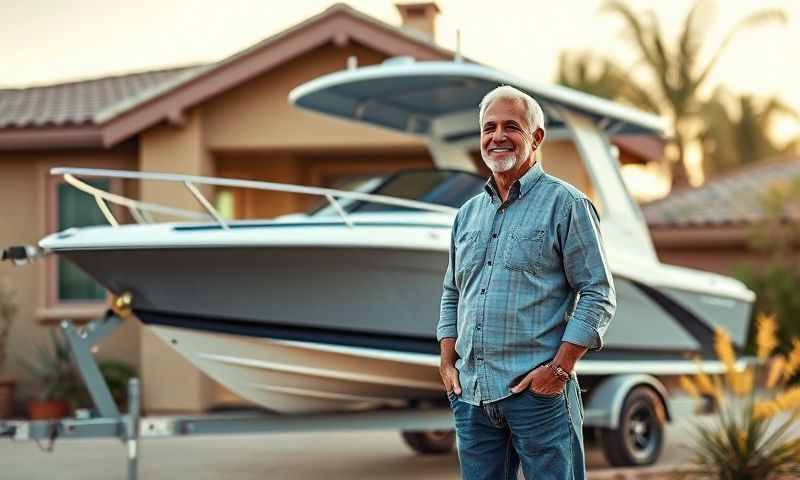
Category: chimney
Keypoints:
(419, 18)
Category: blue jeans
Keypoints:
(543, 434)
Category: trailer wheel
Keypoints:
(435, 442)
(640, 437)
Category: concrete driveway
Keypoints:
(378, 455)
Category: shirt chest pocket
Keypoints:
(524, 250)
(469, 250)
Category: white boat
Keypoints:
(336, 309)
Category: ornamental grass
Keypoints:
(752, 435)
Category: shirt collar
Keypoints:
(522, 185)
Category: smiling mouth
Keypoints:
(501, 150)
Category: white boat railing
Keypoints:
(140, 211)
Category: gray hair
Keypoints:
(507, 92)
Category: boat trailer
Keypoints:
(106, 421)
(426, 427)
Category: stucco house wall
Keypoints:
(27, 193)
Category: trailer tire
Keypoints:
(639, 438)
(429, 442)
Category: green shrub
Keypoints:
(116, 375)
(776, 288)
(776, 279)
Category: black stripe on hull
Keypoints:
(365, 340)
(302, 334)
(694, 326)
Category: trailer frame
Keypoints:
(602, 410)
(106, 421)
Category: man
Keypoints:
(526, 293)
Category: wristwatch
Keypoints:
(559, 372)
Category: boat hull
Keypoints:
(337, 329)
(367, 290)
(297, 377)
(371, 297)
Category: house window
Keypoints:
(77, 209)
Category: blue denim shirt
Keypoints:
(523, 276)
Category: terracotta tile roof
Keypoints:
(83, 102)
(733, 199)
(330, 12)
(99, 102)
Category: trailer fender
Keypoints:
(609, 395)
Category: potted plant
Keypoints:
(8, 311)
(56, 387)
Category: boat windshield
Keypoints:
(443, 187)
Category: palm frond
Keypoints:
(759, 18)
(640, 96)
(591, 73)
(689, 41)
(663, 63)
(688, 46)
(639, 30)
(775, 106)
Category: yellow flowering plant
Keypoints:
(751, 436)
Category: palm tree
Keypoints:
(600, 76)
(590, 73)
(679, 72)
(736, 130)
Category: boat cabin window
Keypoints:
(452, 188)
(443, 187)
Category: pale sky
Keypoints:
(48, 41)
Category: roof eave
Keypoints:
(48, 138)
(700, 237)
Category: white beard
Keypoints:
(503, 165)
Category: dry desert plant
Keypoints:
(751, 435)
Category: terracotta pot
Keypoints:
(47, 409)
(7, 398)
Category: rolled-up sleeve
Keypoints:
(448, 314)
(586, 270)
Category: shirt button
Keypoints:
(478, 327)
(483, 290)
(490, 264)
(494, 235)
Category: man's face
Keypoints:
(506, 140)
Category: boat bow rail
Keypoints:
(140, 211)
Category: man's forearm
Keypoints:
(447, 347)
(568, 355)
